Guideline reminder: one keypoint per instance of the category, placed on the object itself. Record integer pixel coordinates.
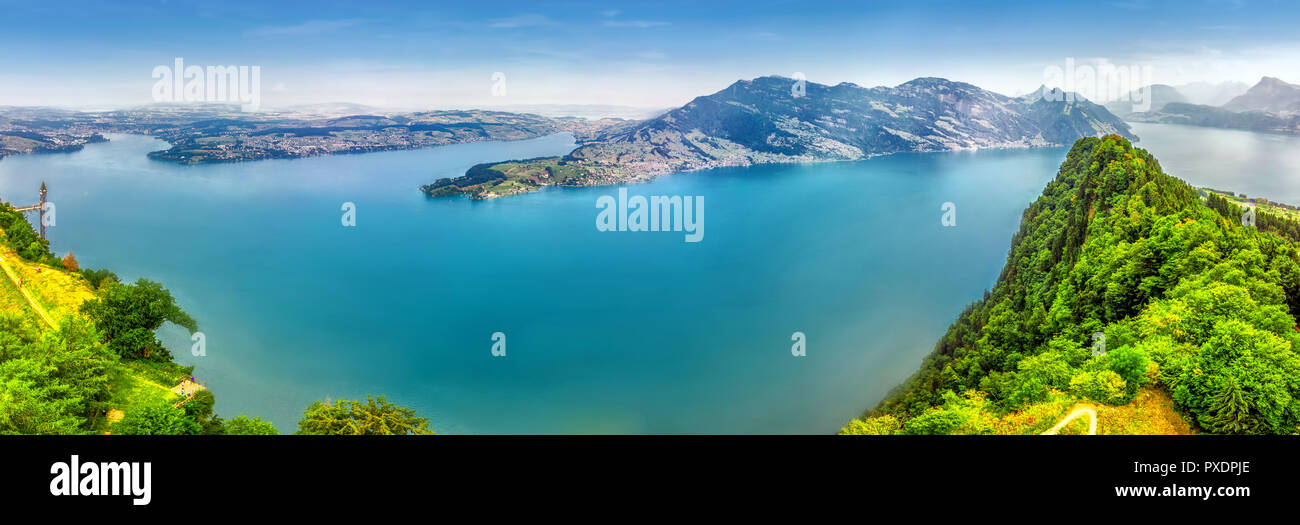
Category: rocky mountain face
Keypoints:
(773, 119)
(776, 119)
(1271, 95)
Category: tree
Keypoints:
(250, 426)
(129, 314)
(1130, 363)
(158, 418)
(1104, 386)
(1229, 412)
(81, 362)
(957, 415)
(199, 409)
(21, 237)
(374, 416)
(1037, 375)
(51, 383)
(70, 262)
(33, 402)
(885, 425)
(1241, 380)
(99, 278)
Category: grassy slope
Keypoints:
(61, 294)
(1152, 412)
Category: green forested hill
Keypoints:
(1184, 297)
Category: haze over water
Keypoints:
(629, 332)
(1257, 164)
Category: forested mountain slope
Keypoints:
(1184, 297)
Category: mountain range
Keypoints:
(1270, 105)
(1270, 94)
(778, 119)
(208, 133)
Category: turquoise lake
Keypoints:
(606, 332)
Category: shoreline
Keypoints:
(646, 177)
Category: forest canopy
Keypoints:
(1177, 291)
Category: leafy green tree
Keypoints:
(54, 382)
(1036, 376)
(21, 237)
(374, 416)
(1130, 364)
(1104, 386)
(32, 402)
(159, 418)
(1242, 380)
(129, 315)
(250, 426)
(17, 333)
(99, 278)
(958, 415)
(885, 425)
(199, 409)
(81, 362)
(1229, 411)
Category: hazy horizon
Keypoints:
(507, 107)
(409, 56)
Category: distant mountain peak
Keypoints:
(765, 120)
(769, 120)
(1271, 95)
(937, 81)
(1055, 94)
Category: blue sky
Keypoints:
(651, 54)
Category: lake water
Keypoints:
(1258, 164)
(606, 332)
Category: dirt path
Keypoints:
(13, 277)
(1078, 411)
(189, 387)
